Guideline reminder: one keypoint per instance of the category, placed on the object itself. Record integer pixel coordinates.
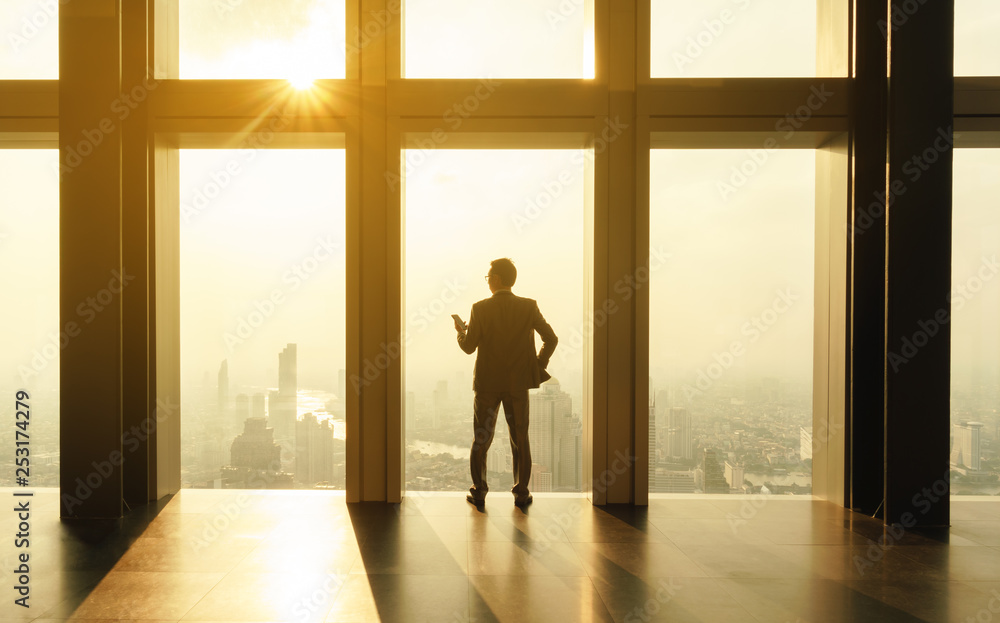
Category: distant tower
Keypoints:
(554, 435)
(966, 450)
(254, 448)
(255, 460)
(288, 370)
(653, 485)
(283, 404)
(735, 475)
(805, 443)
(223, 386)
(679, 434)
(715, 479)
(313, 451)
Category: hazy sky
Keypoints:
(732, 254)
(717, 38)
(262, 39)
(276, 226)
(497, 39)
(976, 235)
(29, 257)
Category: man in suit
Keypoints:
(503, 328)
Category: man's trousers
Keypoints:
(486, 407)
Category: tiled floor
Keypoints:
(298, 556)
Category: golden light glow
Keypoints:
(589, 55)
(301, 83)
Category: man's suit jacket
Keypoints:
(503, 328)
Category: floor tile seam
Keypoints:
(607, 608)
(82, 593)
(737, 600)
(242, 558)
(659, 532)
(582, 574)
(433, 572)
(86, 592)
(534, 555)
(717, 582)
(207, 593)
(340, 589)
(686, 557)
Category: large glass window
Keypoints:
(731, 321)
(977, 48)
(510, 39)
(262, 318)
(975, 332)
(733, 38)
(30, 46)
(463, 209)
(29, 318)
(299, 40)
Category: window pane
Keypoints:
(733, 38)
(977, 48)
(731, 321)
(465, 208)
(30, 46)
(510, 39)
(294, 39)
(975, 333)
(31, 335)
(262, 318)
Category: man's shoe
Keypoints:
(523, 502)
(475, 501)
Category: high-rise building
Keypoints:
(254, 447)
(551, 433)
(255, 460)
(805, 443)
(570, 465)
(653, 454)
(715, 479)
(541, 479)
(965, 452)
(499, 459)
(288, 370)
(734, 475)
(679, 438)
(313, 451)
(283, 404)
(676, 481)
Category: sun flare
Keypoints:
(302, 83)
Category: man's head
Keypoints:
(502, 274)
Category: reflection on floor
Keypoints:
(298, 556)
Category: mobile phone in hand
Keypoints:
(459, 323)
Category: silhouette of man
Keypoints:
(503, 328)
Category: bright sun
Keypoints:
(301, 83)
